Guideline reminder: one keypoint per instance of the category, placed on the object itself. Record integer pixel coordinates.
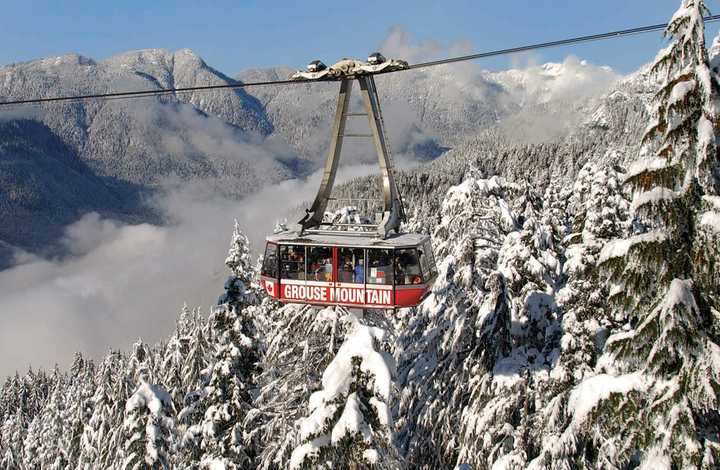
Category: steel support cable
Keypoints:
(545, 45)
(137, 94)
(564, 42)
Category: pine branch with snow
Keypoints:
(350, 422)
(148, 429)
(657, 276)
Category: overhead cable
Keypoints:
(137, 94)
(545, 45)
(564, 42)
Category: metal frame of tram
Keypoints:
(304, 266)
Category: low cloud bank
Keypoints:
(126, 282)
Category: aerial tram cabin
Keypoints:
(348, 269)
(369, 266)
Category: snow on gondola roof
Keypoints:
(349, 238)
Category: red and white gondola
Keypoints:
(349, 270)
(362, 266)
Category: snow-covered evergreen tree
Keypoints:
(462, 331)
(599, 211)
(148, 429)
(498, 420)
(599, 215)
(194, 377)
(141, 363)
(52, 449)
(107, 418)
(665, 278)
(350, 423)
(78, 411)
(172, 363)
(239, 260)
(123, 386)
(225, 397)
(198, 350)
(300, 343)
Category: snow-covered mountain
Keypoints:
(64, 160)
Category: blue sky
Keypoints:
(234, 36)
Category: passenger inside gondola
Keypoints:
(319, 263)
(285, 270)
(407, 267)
(380, 269)
(301, 267)
(328, 269)
(359, 272)
(345, 271)
(292, 264)
(348, 261)
(400, 266)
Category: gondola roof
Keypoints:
(349, 238)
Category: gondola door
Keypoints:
(293, 273)
(350, 276)
(320, 275)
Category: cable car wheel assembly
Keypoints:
(373, 267)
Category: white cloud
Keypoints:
(124, 281)
(398, 45)
(189, 131)
(549, 83)
(569, 79)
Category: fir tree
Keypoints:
(148, 429)
(225, 397)
(300, 343)
(598, 211)
(172, 365)
(123, 386)
(106, 416)
(50, 445)
(599, 214)
(462, 331)
(350, 423)
(78, 411)
(239, 260)
(141, 363)
(14, 429)
(198, 349)
(194, 376)
(663, 278)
